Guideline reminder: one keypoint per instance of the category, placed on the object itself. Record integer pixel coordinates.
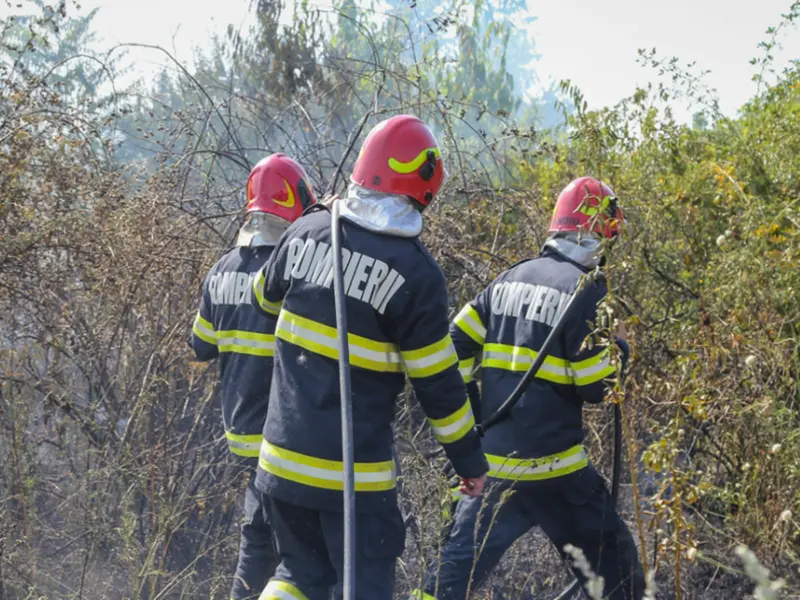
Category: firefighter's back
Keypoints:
(302, 451)
(230, 326)
(537, 451)
(525, 304)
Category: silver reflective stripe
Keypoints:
(199, 325)
(445, 431)
(510, 467)
(433, 359)
(251, 446)
(324, 340)
(466, 317)
(322, 473)
(240, 341)
(526, 361)
(587, 372)
(281, 590)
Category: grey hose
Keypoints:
(349, 492)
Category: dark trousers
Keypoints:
(258, 556)
(311, 548)
(575, 509)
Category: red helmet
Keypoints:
(401, 156)
(577, 208)
(278, 186)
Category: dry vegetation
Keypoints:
(114, 202)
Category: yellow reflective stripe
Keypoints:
(414, 164)
(421, 595)
(469, 321)
(321, 339)
(593, 369)
(281, 590)
(516, 358)
(204, 330)
(455, 426)
(246, 342)
(465, 367)
(323, 473)
(535, 469)
(244, 445)
(431, 359)
(272, 308)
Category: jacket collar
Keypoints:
(584, 250)
(382, 213)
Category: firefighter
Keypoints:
(396, 302)
(539, 472)
(228, 326)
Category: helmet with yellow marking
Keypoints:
(401, 156)
(278, 191)
(589, 205)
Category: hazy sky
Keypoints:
(720, 35)
(591, 42)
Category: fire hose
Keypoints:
(349, 490)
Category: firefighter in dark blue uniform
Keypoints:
(538, 451)
(396, 302)
(231, 328)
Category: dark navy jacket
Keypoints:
(396, 302)
(508, 322)
(230, 327)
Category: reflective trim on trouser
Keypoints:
(244, 445)
(535, 469)
(421, 595)
(323, 473)
(281, 590)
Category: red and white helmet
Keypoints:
(278, 192)
(588, 205)
(401, 156)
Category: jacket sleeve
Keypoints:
(468, 331)
(269, 288)
(420, 331)
(591, 366)
(204, 337)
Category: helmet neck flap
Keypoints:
(261, 229)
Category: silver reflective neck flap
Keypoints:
(382, 213)
(261, 229)
(586, 250)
